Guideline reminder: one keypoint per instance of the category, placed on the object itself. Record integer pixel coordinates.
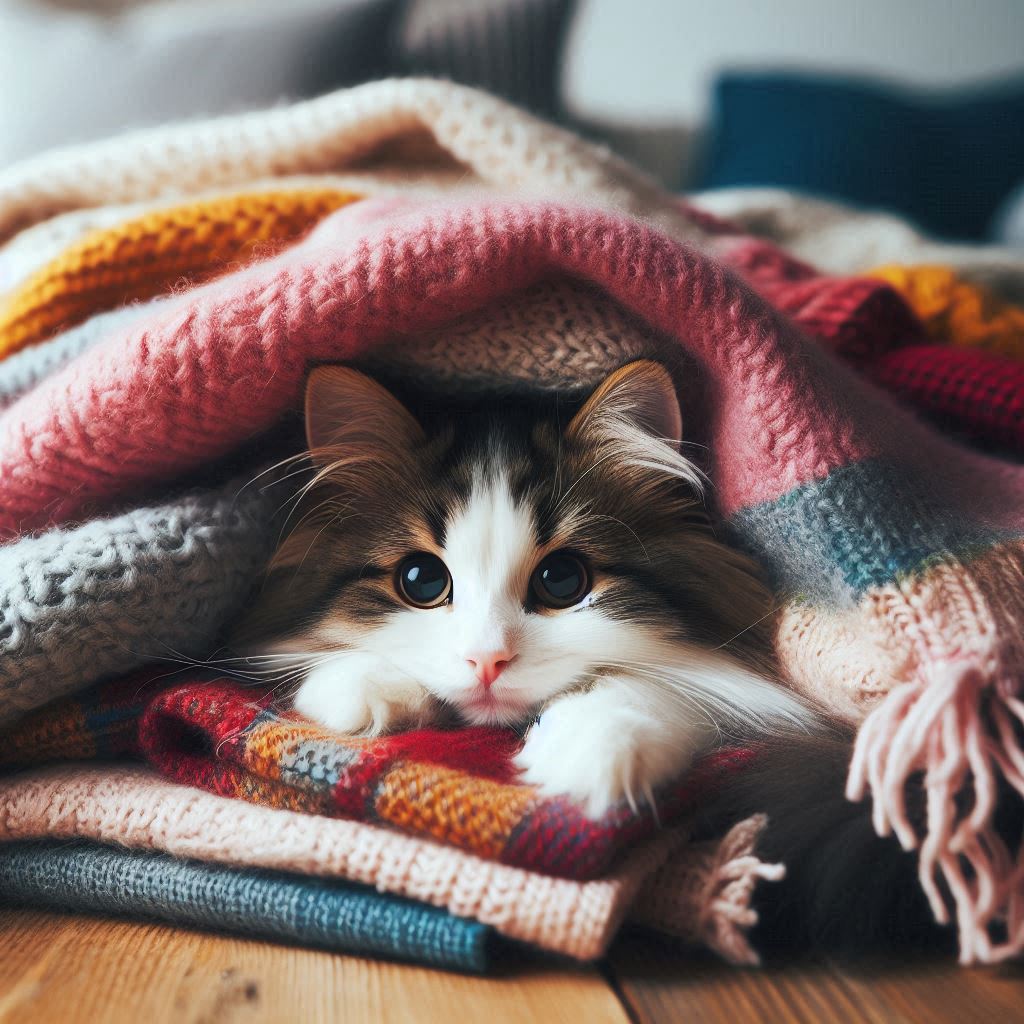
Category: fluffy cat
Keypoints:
(512, 561)
(499, 563)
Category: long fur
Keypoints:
(848, 893)
(668, 655)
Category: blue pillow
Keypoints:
(944, 159)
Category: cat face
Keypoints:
(501, 558)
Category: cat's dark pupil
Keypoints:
(561, 577)
(425, 578)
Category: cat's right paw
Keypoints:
(362, 694)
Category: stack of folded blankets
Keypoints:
(162, 296)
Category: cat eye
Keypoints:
(424, 581)
(560, 581)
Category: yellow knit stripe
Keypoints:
(149, 255)
(957, 312)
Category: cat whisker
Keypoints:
(631, 798)
(767, 615)
(328, 525)
(287, 461)
(652, 803)
(590, 469)
(594, 517)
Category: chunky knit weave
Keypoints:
(721, 888)
(331, 915)
(496, 143)
(22, 372)
(803, 455)
(144, 257)
(975, 394)
(854, 316)
(913, 577)
(290, 306)
(133, 808)
(156, 582)
(29, 250)
(970, 395)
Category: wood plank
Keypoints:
(660, 981)
(62, 967)
(939, 991)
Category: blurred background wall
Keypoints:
(656, 60)
(916, 106)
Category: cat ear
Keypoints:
(640, 394)
(345, 408)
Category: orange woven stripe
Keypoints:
(147, 256)
(958, 312)
(463, 811)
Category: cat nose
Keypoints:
(488, 665)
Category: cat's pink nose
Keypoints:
(488, 665)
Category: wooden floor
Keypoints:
(81, 970)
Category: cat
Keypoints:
(512, 562)
(554, 568)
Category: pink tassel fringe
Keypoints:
(960, 732)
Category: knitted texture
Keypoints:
(493, 143)
(913, 576)
(455, 787)
(144, 257)
(330, 915)
(855, 317)
(956, 311)
(333, 297)
(154, 583)
(133, 808)
(26, 252)
(839, 239)
(719, 878)
(972, 393)
(22, 372)
(98, 723)
(29, 250)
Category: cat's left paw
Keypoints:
(599, 755)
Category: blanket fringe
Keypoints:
(964, 735)
(703, 894)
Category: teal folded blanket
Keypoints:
(339, 916)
